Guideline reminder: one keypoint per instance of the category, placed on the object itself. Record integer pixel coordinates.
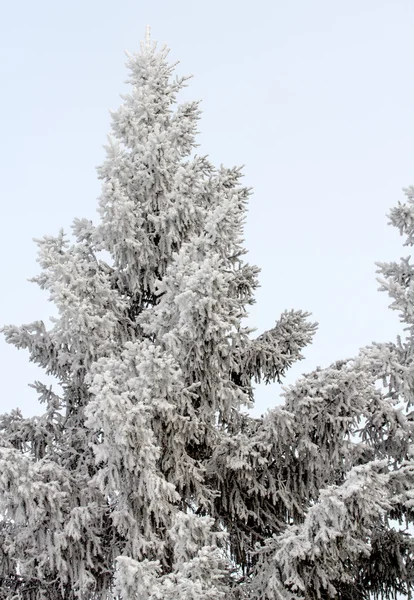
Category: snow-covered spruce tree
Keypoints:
(338, 459)
(132, 483)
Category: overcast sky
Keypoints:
(314, 97)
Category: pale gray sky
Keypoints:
(314, 97)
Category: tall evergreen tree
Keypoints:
(145, 478)
(346, 479)
(113, 489)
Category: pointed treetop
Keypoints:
(147, 36)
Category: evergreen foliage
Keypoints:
(145, 478)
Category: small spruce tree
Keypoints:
(145, 478)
